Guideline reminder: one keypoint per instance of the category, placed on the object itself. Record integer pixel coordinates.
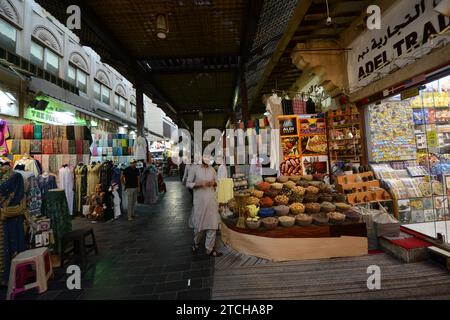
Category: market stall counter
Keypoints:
(293, 218)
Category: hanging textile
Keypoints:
(28, 131)
(4, 135)
(45, 163)
(70, 130)
(79, 146)
(25, 146)
(37, 132)
(80, 187)
(57, 146)
(140, 149)
(57, 209)
(63, 133)
(149, 182)
(53, 164)
(299, 106)
(15, 149)
(47, 146)
(65, 146)
(36, 146)
(17, 132)
(287, 107)
(106, 173)
(47, 132)
(86, 145)
(46, 183)
(66, 184)
(34, 196)
(13, 242)
(72, 147)
(93, 177)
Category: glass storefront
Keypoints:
(408, 140)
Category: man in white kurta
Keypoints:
(205, 213)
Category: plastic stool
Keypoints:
(40, 259)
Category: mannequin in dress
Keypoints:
(66, 184)
(93, 177)
(80, 173)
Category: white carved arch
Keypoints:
(133, 100)
(44, 35)
(103, 78)
(10, 12)
(78, 60)
(121, 90)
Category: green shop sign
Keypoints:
(56, 112)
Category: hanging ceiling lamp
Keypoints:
(162, 26)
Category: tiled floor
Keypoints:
(149, 258)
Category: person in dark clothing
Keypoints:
(130, 180)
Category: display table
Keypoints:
(299, 243)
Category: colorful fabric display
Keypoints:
(86, 145)
(37, 132)
(65, 146)
(16, 131)
(45, 163)
(72, 147)
(63, 133)
(47, 147)
(47, 132)
(79, 146)
(70, 131)
(57, 146)
(299, 106)
(36, 146)
(53, 164)
(28, 131)
(25, 146)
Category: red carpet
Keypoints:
(413, 233)
(411, 243)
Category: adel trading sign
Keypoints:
(405, 35)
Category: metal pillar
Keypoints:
(140, 111)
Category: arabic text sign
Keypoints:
(406, 34)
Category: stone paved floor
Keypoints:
(149, 258)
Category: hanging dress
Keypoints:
(80, 187)
(66, 184)
(93, 177)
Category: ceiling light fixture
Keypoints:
(162, 26)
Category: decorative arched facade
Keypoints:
(78, 60)
(10, 12)
(103, 78)
(44, 35)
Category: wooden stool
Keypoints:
(79, 246)
(40, 259)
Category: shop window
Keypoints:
(44, 57)
(8, 36)
(120, 103)
(123, 105)
(102, 93)
(133, 111)
(77, 78)
(37, 54)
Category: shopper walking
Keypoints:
(205, 212)
(130, 179)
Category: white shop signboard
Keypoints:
(405, 35)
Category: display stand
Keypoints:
(310, 243)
